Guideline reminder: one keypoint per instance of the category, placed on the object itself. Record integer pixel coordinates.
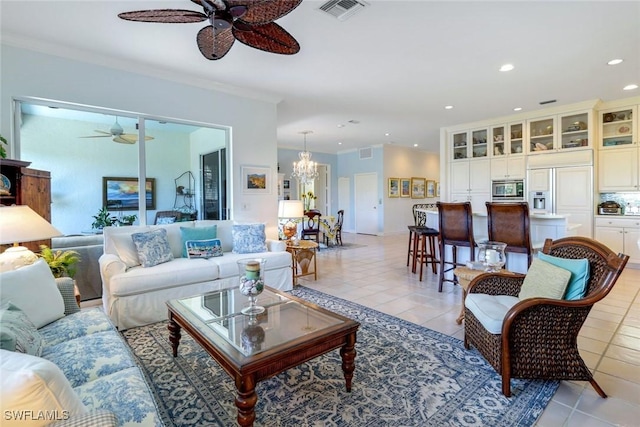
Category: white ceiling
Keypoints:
(392, 67)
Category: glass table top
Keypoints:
(217, 315)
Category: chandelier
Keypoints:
(305, 170)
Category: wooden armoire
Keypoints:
(29, 187)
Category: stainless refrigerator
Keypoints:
(562, 183)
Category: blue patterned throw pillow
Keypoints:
(17, 332)
(153, 247)
(249, 238)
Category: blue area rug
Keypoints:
(406, 375)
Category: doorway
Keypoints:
(366, 203)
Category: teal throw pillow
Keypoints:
(196, 233)
(153, 247)
(249, 238)
(17, 332)
(544, 280)
(579, 269)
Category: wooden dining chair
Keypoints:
(311, 228)
(509, 223)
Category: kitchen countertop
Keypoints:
(531, 214)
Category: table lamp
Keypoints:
(19, 223)
(290, 209)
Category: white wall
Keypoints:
(27, 73)
(403, 162)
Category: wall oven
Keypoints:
(507, 191)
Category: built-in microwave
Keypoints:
(507, 191)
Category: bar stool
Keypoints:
(509, 223)
(425, 248)
(456, 229)
(419, 221)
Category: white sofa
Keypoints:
(133, 295)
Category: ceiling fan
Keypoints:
(248, 21)
(117, 132)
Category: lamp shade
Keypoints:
(19, 223)
(290, 209)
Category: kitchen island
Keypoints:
(542, 226)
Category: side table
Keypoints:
(303, 254)
(465, 275)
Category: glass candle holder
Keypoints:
(251, 272)
(491, 254)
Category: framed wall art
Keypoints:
(393, 187)
(418, 188)
(431, 188)
(120, 193)
(437, 188)
(256, 179)
(405, 187)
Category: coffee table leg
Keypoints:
(174, 335)
(348, 353)
(246, 400)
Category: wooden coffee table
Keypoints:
(290, 332)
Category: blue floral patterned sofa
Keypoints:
(62, 366)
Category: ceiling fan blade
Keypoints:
(96, 136)
(122, 140)
(216, 4)
(262, 12)
(269, 37)
(170, 16)
(214, 44)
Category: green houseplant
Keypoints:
(103, 219)
(3, 151)
(61, 263)
(127, 219)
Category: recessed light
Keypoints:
(448, 107)
(415, 145)
(340, 125)
(630, 87)
(517, 109)
(614, 62)
(339, 143)
(387, 134)
(507, 67)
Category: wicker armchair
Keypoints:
(539, 335)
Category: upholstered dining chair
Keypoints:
(456, 230)
(535, 337)
(509, 223)
(311, 228)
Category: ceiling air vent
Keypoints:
(366, 153)
(342, 9)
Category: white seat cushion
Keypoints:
(490, 309)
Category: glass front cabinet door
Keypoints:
(617, 127)
(516, 138)
(541, 136)
(459, 145)
(479, 139)
(574, 131)
(498, 141)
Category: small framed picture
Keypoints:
(431, 188)
(286, 183)
(256, 180)
(418, 188)
(393, 189)
(405, 187)
(437, 188)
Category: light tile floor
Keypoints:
(376, 276)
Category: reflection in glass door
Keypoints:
(214, 185)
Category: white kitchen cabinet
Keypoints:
(618, 169)
(620, 235)
(470, 144)
(561, 132)
(618, 127)
(508, 167)
(471, 182)
(539, 180)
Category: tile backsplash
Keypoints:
(630, 202)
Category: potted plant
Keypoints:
(103, 219)
(61, 263)
(127, 220)
(3, 151)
